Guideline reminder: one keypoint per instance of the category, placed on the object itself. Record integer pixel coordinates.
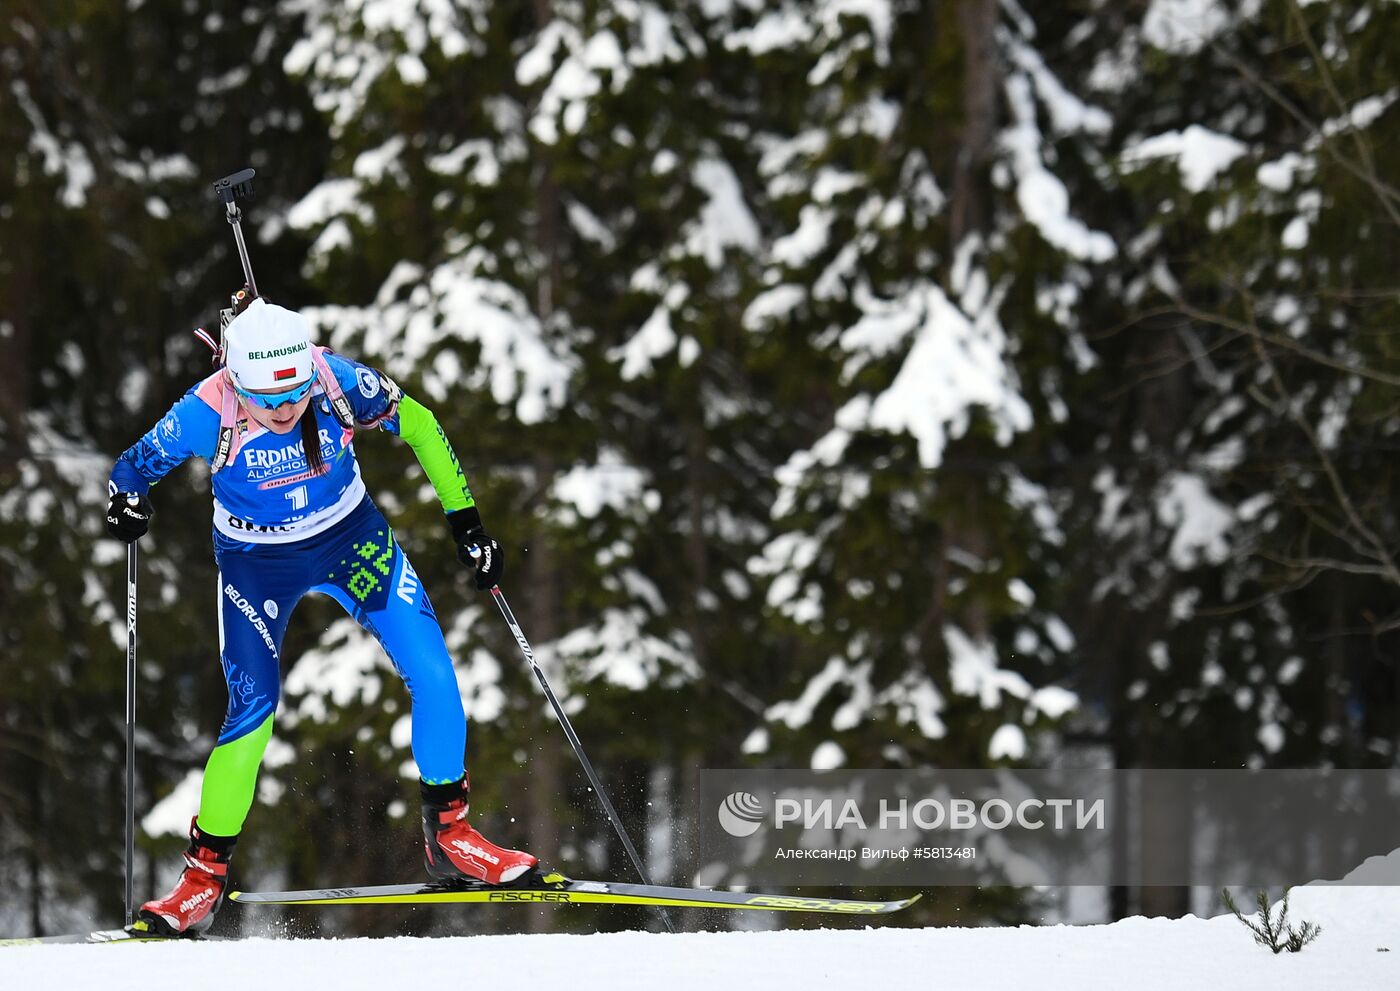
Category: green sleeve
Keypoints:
(424, 434)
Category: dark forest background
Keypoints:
(881, 384)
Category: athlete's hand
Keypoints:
(128, 516)
(475, 549)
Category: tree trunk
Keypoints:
(977, 22)
(696, 550)
(36, 894)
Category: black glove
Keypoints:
(128, 516)
(470, 536)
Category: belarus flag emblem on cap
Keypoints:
(284, 373)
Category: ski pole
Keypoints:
(130, 731)
(608, 809)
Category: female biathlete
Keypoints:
(291, 516)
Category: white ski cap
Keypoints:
(268, 347)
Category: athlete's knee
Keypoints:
(245, 745)
(431, 678)
(253, 694)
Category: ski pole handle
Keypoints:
(475, 552)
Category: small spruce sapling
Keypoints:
(1276, 934)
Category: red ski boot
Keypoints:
(198, 894)
(453, 850)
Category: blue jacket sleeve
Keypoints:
(190, 428)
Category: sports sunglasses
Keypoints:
(277, 399)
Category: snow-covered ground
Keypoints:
(1359, 949)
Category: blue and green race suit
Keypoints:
(282, 530)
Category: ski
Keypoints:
(138, 933)
(553, 888)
